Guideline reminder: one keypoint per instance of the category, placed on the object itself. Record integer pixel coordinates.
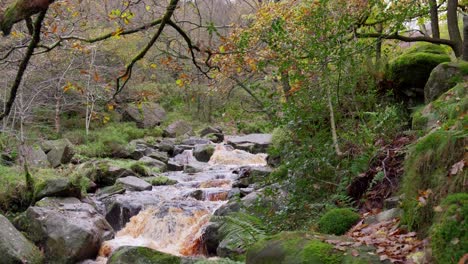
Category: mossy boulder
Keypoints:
(449, 234)
(161, 180)
(448, 110)
(147, 115)
(410, 71)
(443, 77)
(141, 255)
(337, 221)
(15, 248)
(204, 152)
(430, 174)
(59, 187)
(303, 248)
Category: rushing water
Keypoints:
(174, 224)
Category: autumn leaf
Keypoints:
(457, 167)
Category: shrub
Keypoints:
(449, 235)
(337, 221)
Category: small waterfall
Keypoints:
(175, 225)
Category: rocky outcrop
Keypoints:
(148, 115)
(67, 229)
(253, 143)
(148, 161)
(248, 175)
(103, 172)
(442, 78)
(58, 151)
(36, 157)
(177, 129)
(14, 247)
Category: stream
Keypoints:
(172, 217)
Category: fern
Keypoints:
(241, 229)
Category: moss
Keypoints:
(449, 235)
(427, 48)
(337, 221)
(161, 180)
(141, 255)
(140, 169)
(412, 70)
(426, 180)
(319, 252)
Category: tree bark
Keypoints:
(465, 37)
(452, 24)
(20, 10)
(434, 19)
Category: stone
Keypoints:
(6, 159)
(58, 151)
(203, 153)
(383, 216)
(14, 247)
(194, 167)
(174, 166)
(133, 183)
(214, 137)
(248, 175)
(166, 145)
(392, 202)
(442, 78)
(149, 115)
(103, 173)
(141, 255)
(148, 161)
(60, 187)
(159, 155)
(253, 143)
(68, 230)
(210, 130)
(36, 157)
(197, 195)
(211, 237)
(177, 129)
(192, 141)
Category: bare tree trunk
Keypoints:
(58, 101)
(452, 24)
(332, 123)
(434, 19)
(465, 38)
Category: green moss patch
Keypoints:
(161, 180)
(449, 235)
(141, 255)
(337, 221)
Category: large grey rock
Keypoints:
(192, 141)
(177, 129)
(58, 151)
(36, 157)
(133, 183)
(60, 187)
(14, 247)
(166, 145)
(203, 153)
(103, 172)
(161, 166)
(253, 143)
(159, 155)
(442, 78)
(210, 130)
(194, 167)
(248, 175)
(67, 229)
(148, 115)
(120, 208)
(211, 237)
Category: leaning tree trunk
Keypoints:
(452, 24)
(434, 19)
(465, 38)
(20, 10)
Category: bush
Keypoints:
(449, 235)
(337, 221)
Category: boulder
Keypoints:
(253, 143)
(58, 151)
(203, 153)
(166, 145)
(68, 230)
(36, 157)
(177, 129)
(141, 255)
(120, 208)
(248, 175)
(133, 183)
(214, 137)
(301, 247)
(410, 71)
(151, 162)
(60, 187)
(442, 78)
(192, 141)
(174, 166)
(15, 248)
(159, 155)
(194, 167)
(197, 195)
(103, 172)
(211, 237)
(148, 115)
(210, 130)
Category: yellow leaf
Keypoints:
(153, 65)
(148, 8)
(222, 49)
(110, 107)
(180, 83)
